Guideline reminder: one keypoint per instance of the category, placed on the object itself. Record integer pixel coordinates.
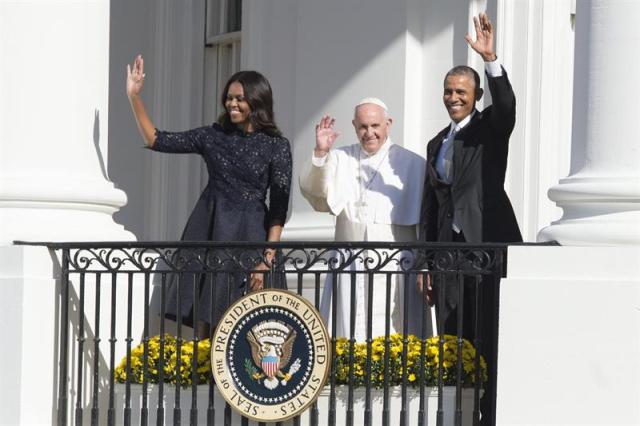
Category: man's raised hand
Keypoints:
(325, 135)
(483, 43)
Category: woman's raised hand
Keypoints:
(135, 81)
(135, 77)
(325, 135)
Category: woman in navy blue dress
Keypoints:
(246, 157)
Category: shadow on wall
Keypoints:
(102, 307)
(96, 143)
(97, 326)
(84, 349)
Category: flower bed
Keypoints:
(416, 357)
(170, 360)
(415, 360)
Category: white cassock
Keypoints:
(374, 198)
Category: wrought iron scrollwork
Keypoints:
(294, 257)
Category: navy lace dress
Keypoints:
(242, 168)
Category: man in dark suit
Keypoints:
(464, 198)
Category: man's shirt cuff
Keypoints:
(493, 68)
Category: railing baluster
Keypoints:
(144, 414)
(459, 332)
(95, 404)
(111, 414)
(80, 351)
(352, 342)
(367, 397)
(177, 412)
(296, 419)
(476, 341)
(128, 340)
(193, 415)
(423, 348)
(442, 281)
(405, 347)
(163, 306)
(211, 409)
(227, 414)
(64, 339)
(332, 375)
(387, 355)
(313, 415)
(229, 278)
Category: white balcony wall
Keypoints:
(569, 347)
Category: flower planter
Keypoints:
(395, 404)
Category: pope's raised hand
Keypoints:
(325, 135)
(135, 77)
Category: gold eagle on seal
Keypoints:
(271, 347)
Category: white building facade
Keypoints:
(72, 167)
(323, 58)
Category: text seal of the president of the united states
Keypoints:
(270, 355)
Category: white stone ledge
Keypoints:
(530, 262)
(611, 189)
(68, 190)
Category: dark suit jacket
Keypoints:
(476, 193)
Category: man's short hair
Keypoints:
(464, 70)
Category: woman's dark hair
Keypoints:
(257, 93)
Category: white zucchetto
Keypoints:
(375, 101)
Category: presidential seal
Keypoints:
(270, 355)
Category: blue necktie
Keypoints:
(444, 160)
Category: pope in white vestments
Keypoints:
(374, 188)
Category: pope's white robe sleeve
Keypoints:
(315, 181)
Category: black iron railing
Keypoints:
(135, 271)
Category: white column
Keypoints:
(54, 81)
(601, 197)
